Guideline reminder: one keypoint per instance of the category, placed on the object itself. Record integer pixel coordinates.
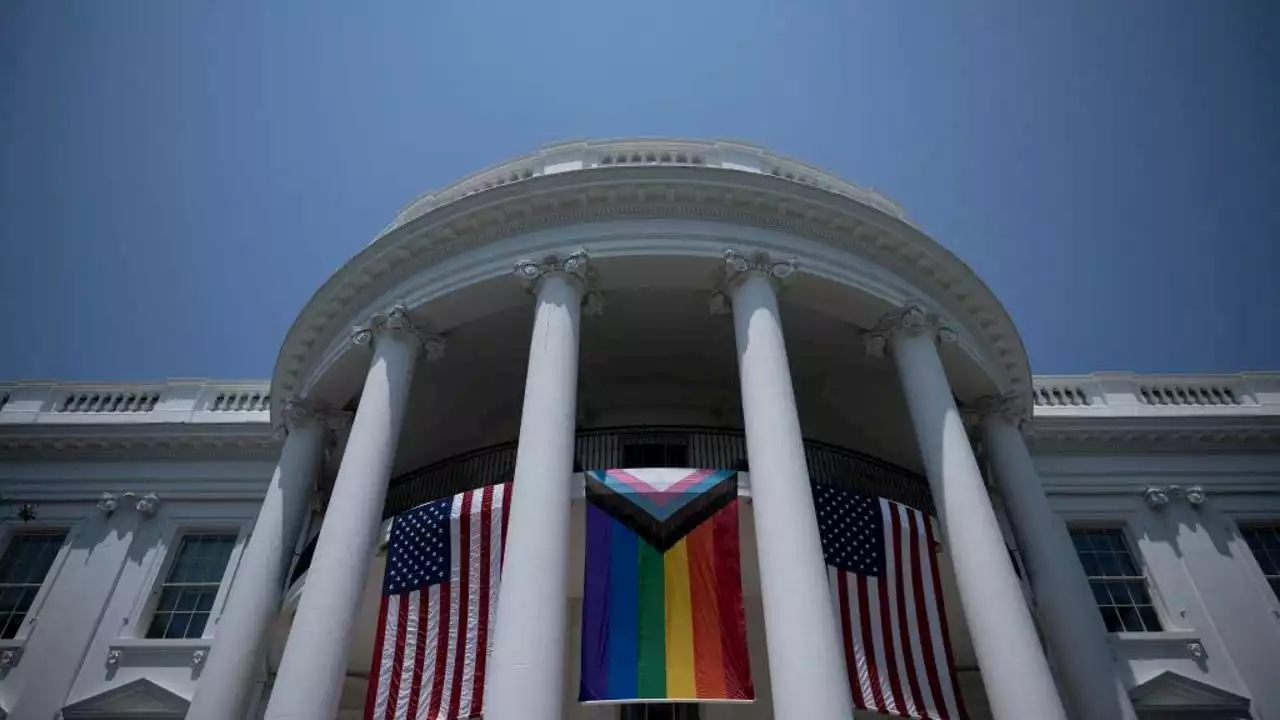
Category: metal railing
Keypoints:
(649, 446)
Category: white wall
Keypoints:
(1207, 586)
(83, 642)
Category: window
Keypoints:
(663, 711)
(190, 586)
(1119, 587)
(1264, 541)
(655, 455)
(23, 568)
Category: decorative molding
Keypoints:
(1142, 435)
(198, 657)
(397, 323)
(576, 266)
(297, 412)
(1014, 408)
(1195, 496)
(108, 503)
(912, 319)
(737, 266)
(692, 193)
(1177, 695)
(1158, 497)
(1155, 498)
(114, 657)
(148, 505)
(1195, 648)
(9, 658)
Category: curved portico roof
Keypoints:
(865, 239)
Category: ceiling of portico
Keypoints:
(655, 357)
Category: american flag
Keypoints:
(439, 596)
(884, 581)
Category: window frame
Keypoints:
(1139, 561)
(11, 528)
(1244, 524)
(167, 555)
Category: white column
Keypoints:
(309, 682)
(806, 660)
(1068, 614)
(1014, 669)
(526, 669)
(254, 597)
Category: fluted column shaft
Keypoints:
(526, 669)
(1014, 669)
(806, 660)
(1068, 614)
(254, 597)
(309, 682)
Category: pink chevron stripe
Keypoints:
(659, 497)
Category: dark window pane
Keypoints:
(159, 622)
(1129, 619)
(1080, 539)
(1090, 563)
(1100, 593)
(168, 599)
(196, 628)
(1109, 566)
(1111, 618)
(1138, 592)
(11, 625)
(652, 455)
(178, 625)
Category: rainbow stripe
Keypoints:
(664, 625)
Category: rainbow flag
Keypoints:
(662, 615)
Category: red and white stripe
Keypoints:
(432, 644)
(895, 631)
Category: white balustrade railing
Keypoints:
(1119, 394)
(583, 155)
(106, 403)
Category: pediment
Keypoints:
(1172, 691)
(139, 699)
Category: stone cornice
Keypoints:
(632, 192)
(1173, 434)
(139, 442)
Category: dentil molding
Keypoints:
(635, 192)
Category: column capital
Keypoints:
(739, 265)
(298, 412)
(576, 266)
(396, 323)
(911, 319)
(1011, 407)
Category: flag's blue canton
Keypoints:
(418, 554)
(852, 530)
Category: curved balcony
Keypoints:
(647, 446)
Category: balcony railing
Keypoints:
(693, 447)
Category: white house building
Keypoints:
(1110, 543)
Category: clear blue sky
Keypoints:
(179, 177)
